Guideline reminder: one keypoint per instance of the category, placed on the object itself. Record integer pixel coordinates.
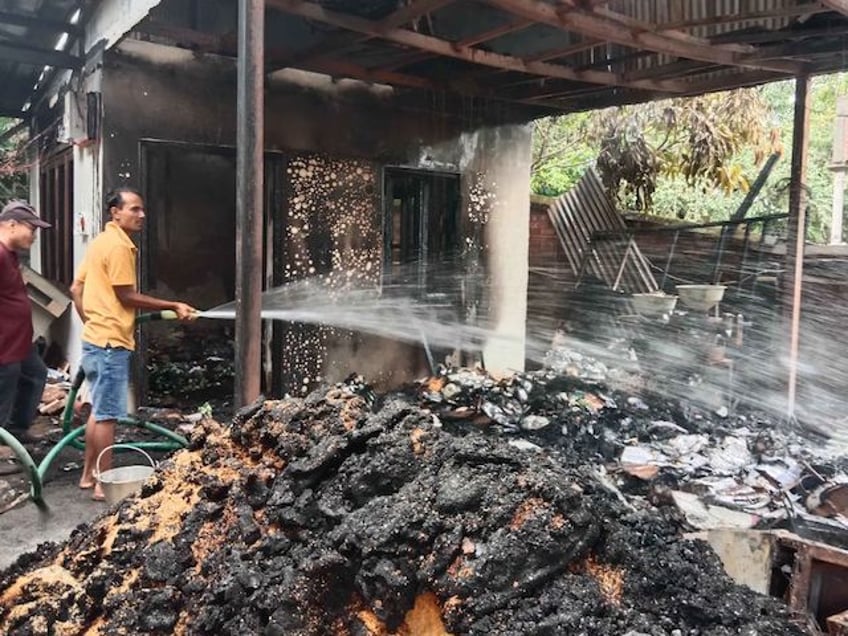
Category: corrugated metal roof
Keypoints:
(753, 41)
(585, 211)
(29, 33)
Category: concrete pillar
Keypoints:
(503, 159)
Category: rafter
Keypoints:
(225, 46)
(345, 39)
(410, 12)
(414, 40)
(471, 40)
(609, 26)
(18, 52)
(499, 31)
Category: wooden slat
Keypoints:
(613, 27)
(316, 12)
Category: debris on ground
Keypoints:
(349, 513)
(744, 461)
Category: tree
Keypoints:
(696, 139)
(13, 176)
(561, 153)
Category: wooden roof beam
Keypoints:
(492, 34)
(225, 46)
(345, 39)
(472, 40)
(410, 12)
(313, 11)
(618, 28)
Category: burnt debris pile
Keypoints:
(343, 513)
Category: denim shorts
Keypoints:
(107, 371)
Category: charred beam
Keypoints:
(472, 40)
(345, 39)
(571, 49)
(840, 6)
(499, 31)
(411, 12)
(35, 22)
(411, 39)
(23, 54)
(615, 27)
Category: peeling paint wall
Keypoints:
(337, 137)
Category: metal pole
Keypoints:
(838, 204)
(249, 199)
(796, 231)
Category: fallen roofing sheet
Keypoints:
(581, 214)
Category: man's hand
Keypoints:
(185, 312)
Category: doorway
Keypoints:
(188, 254)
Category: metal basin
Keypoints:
(700, 297)
(118, 483)
(653, 304)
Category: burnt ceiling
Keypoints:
(563, 55)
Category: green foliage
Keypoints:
(561, 153)
(694, 158)
(695, 139)
(13, 176)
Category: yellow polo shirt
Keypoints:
(109, 262)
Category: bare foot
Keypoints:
(85, 484)
(98, 495)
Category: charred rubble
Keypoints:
(349, 513)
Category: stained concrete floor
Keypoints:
(23, 528)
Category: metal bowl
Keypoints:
(653, 304)
(700, 297)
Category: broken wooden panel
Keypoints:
(811, 577)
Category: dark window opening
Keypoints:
(56, 206)
(421, 231)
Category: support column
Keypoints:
(796, 231)
(249, 199)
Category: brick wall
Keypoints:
(545, 249)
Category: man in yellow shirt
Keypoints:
(105, 297)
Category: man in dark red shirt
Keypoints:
(22, 372)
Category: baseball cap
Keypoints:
(22, 211)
